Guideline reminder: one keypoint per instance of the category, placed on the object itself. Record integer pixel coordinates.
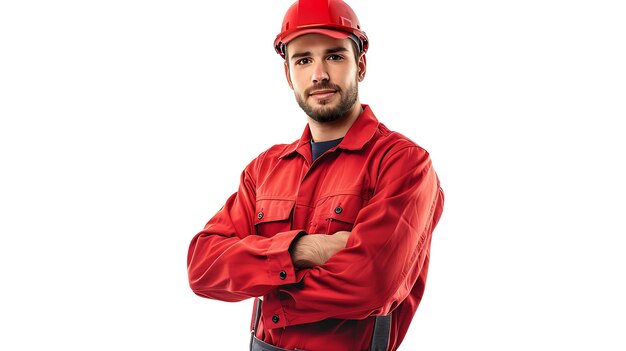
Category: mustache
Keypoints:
(325, 85)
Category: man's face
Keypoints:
(324, 75)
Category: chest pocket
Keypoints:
(337, 212)
(273, 216)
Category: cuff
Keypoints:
(280, 267)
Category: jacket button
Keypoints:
(275, 319)
(338, 210)
(260, 215)
(282, 275)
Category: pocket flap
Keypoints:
(269, 210)
(343, 208)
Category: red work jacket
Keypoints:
(377, 184)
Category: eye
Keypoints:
(303, 61)
(335, 57)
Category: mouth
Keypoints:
(323, 94)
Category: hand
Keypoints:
(315, 249)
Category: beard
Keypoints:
(326, 113)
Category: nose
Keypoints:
(320, 72)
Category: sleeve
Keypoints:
(227, 261)
(384, 254)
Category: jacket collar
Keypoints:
(357, 136)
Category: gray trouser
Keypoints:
(380, 337)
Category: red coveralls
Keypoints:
(377, 184)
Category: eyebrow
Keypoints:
(308, 53)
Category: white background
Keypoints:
(124, 126)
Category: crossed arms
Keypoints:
(310, 277)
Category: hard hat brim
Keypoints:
(328, 32)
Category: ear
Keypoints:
(288, 76)
(362, 66)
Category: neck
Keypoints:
(336, 129)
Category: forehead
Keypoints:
(317, 43)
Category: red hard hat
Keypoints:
(330, 17)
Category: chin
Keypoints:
(326, 102)
(323, 109)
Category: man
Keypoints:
(332, 232)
